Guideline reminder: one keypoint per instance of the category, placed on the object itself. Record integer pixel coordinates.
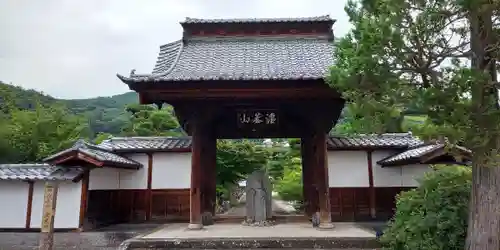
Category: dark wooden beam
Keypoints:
(371, 190)
(151, 96)
(29, 206)
(149, 194)
(321, 179)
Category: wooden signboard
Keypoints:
(49, 212)
(257, 118)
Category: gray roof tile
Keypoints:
(325, 18)
(279, 58)
(138, 144)
(374, 141)
(410, 154)
(97, 153)
(415, 154)
(383, 141)
(39, 172)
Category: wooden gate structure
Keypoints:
(248, 78)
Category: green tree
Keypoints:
(403, 52)
(32, 135)
(147, 120)
(235, 160)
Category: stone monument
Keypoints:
(258, 196)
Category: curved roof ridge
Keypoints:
(176, 46)
(403, 134)
(158, 71)
(321, 18)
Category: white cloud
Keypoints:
(73, 49)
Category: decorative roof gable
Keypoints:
(92, 154)
(429, 153)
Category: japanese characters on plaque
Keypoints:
(261, 118)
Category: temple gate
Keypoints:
(248, 78)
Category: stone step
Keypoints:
(252, 243)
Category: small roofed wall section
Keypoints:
(350, 183)
(120, 195)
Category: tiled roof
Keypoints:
(243, 57)
(97, 153)
(325, 18)
(373, 141)
(39, 172)
(183, 144)
(415, 154)
(410, 154)
(140, 144)
(279, 58)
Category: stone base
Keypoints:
(252, 243)
(195, 226)
(265, 223)
(207, 219)
(326, 226)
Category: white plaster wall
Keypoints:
(67, 206)
(348, 169)
(104, 179)
(404, 176)
(411, 173)
(132, 178)
(14, 197)
(388, 176)
(171, 170)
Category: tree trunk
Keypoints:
(484, 213)
(484, 216)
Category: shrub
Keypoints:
(434, 215)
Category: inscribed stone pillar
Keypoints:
(321, 180)
(258, 197)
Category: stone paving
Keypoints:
(103, 239)
(237, 236)
(341, 230)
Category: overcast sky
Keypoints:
(74, 48)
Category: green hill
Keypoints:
(105, 114)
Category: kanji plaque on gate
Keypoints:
(257, 118)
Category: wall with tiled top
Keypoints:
(350, 169)
(404, 176)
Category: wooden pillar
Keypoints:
(149, 190)
(309, 189)
(195, 222)
(208, 177)
(321, 180)
(49, 211)
(84, 199)
(29, 206)
(371, 189)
